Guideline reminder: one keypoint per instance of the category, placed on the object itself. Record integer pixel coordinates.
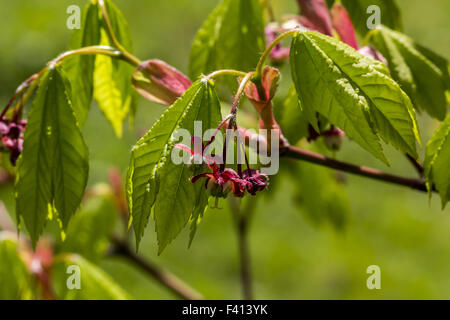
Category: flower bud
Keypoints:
(333, 139)
(270, 79)
(159, 82)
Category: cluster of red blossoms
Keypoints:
(12, 137)
(221, 181)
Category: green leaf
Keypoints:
(90, 230)
(231, 38)
(389, 14)
(293, 121)
(95, 284)
(15, 280)
(53, 168)
(112, 78)
(322, 198)
(155, 182)
(353, 92)
(437, 160)
(80, 69)
(422, 74)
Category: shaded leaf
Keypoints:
(418, 75)
(320, 196)
(53, 169)
(389, 14)
(80, 69)
(292, 120)
(90, 230)
(231, 38)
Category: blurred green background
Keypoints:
(389, 226)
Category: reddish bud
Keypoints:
(159, 82)
(343, 25)
(333, 139)
(315, 16)
(269, 79)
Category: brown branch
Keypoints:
(164, 277)
(297, 153)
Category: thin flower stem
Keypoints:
(225, 72)
(263, 58)
(305, 155)
(239, 92)
(105, 50)
(127, 55)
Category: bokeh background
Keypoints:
(395, 228)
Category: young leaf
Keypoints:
(53, 168)
(353, 92)
(95, 284)
(231, 38)
(112, 78)
(419, 76)
(389, 14)
(437, 159)
(154, 181)
(80, 69)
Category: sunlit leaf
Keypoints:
(155, 183)
(437, 159)
(112, 78)
(354, 92)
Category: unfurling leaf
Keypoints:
(354, 92)
(437, 159)
(343, 25)
(231, 38)
(53, 169)
(156, 184)
(159, 82)
(80, 69)
(112, 78)
(422, 74)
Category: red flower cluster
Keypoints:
(221, 181)
(12, 137)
